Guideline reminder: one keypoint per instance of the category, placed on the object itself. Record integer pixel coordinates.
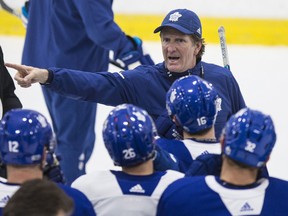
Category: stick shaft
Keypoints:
(115, 63)
(223, 44)
(9, 9)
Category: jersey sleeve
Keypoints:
(102, 87)
(98, 19)
(82, 206)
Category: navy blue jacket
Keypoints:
(146, 87)
(48, 41)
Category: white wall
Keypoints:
(277, 9)
(216, 8)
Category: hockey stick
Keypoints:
(9, 9)
(18, 14)
(222, 37)
(115, 63)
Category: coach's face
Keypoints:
(179, 50)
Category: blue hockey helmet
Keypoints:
(23, 135)
(129, 134)
(194, 102)
(249, 137)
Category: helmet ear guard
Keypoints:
(24, 134)
(129, 134)
(249, 137)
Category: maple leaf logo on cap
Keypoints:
(175, 16)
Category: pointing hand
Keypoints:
(27, 75)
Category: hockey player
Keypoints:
(25, 137)
(146, 86)
(39, 197)
(77, 35)
(8, 98)
(248, 139)
(129, 136)
(192, 103)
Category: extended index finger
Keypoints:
(22, 69)
(16, 66)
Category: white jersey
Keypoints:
(118, 193)
(266, 197)
(6, 192)
(187, 150)
(197, 148)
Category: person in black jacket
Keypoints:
(8, 98)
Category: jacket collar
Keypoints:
(197, 70)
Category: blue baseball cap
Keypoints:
(183, 20)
